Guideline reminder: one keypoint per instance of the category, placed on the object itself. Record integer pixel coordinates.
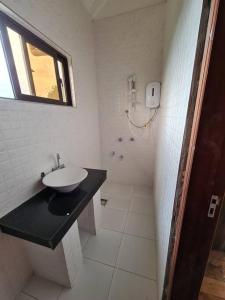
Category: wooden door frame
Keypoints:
(200, 72)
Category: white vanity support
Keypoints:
(60, 265)
(86, 220)
(73, 253)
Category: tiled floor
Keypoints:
(119, 262)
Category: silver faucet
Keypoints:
(59, 165)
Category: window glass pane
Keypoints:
(43, 73)
(6, 90)
(20, 61)
(62, 79)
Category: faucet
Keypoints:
(59, 165)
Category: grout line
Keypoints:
(120, 246)
(116, 267)
(137, 274)
(114, 271)
(117, 258)
(115, 208)
(60, 293)
(142, 214)
(123, 235)
(126, 214)
(27, 294)
(98, 261)
(121, 231)
(111, 283)
(141, 237)
(143, 196)
(129, 234)
(129, 209)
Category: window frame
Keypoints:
(29, 37)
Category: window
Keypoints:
(31, 69)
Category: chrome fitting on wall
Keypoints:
(112, 153)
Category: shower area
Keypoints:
(144, 60)
(129, 50)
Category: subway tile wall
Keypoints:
(181, 32)
(31, 134)
(126, 44)
(15, 268)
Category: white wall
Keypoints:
(14, 267)
(126, 44)
(30, 134)
(182, 25)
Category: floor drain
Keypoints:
(104, 202)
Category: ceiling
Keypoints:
(100, 9)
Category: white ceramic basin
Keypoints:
(65, 180)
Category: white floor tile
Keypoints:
(24, 297)
(142, 205)
(42, 289)
(112, 219)
(138, 255)
(110, 189)
(140, 225)
(142, 191)
(93, 283)
(127, 286)
(123, 190)
(103, 247)
(84, 237)
(118, 202)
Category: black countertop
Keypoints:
(46, 218)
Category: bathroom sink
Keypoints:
(65, 180)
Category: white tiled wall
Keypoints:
(30, 134)
(14, 267)
(182, 24)
(126, 44)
